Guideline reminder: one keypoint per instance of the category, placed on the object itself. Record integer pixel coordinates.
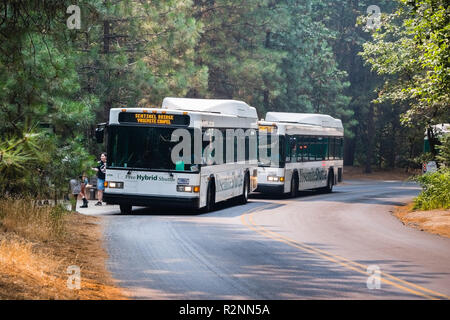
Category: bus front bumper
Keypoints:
(270, 188)
(146, 201)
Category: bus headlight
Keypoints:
(275, 179)
(181, 188)
(114, 185)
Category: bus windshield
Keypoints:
(269, 149)
(138, 147)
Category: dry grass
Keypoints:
(357, 173)
(433, 221)
(37, 245)
(24, 217)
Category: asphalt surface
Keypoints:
(316, 246)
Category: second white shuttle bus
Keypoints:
(310, 152)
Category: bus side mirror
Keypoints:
(99, 134)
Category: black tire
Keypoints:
(125, 208)
(210, 197)
(294, 186)
(243, 198)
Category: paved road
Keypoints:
(317, 246)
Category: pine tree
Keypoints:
(135, 53)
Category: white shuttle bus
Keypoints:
(310, 152)
(191, 153)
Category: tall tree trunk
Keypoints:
(370, 136)
(106, 38)
(349, 151)
(432, 141)
(266, 92)
(393, 153)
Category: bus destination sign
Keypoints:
(154, 119)
(268, 129)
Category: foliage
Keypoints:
(373, 132)
(134, 53)
(443, 156)
(423, 158)
(436, 190)
(276, 55)
(310, 72)
(16, 156)
(412, 51)
(39, 89)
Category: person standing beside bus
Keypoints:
(101, 171)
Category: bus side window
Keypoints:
(320, 148)
(315, 149)
(287, 148)
(311, 149)
(331, 144)
(305, 148)
(299, 154)
(325, 148)
(293, 148)
(328, 148)
(334, 148)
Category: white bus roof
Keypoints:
(442, 128)
(304, 118)
(226, 107)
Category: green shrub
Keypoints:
(436, 190)
(443, 156)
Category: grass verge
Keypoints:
(39, 243)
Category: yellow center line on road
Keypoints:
(354, 266)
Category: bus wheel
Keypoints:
(243, 199)
(125, 208)
(294, 186)
(210, 197)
